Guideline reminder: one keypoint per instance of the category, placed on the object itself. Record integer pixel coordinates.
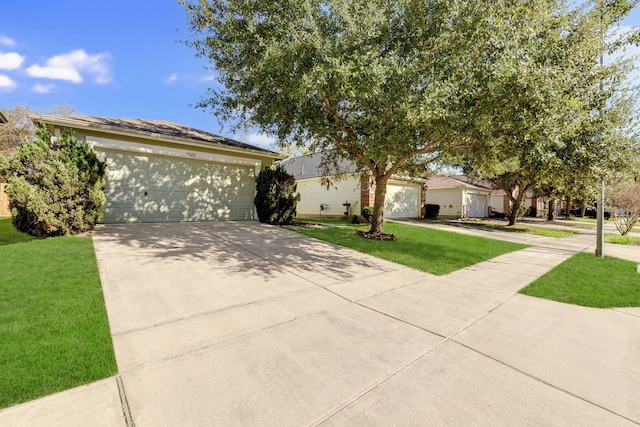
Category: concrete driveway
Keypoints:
(246, 324)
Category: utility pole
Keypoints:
(600, 210)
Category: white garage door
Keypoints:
(477, 205)
(402, 201)
(148, 188)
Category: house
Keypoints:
(347, 196)
(459, 198)
(159, 171)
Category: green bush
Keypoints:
(276, 196)
(55, 185)
(367, 213)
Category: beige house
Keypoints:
(458, 198)
(347, 196)
(159, 171)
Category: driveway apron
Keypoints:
(246, 324)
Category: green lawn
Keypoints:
(589, 281)
(622, 240)
(53, 323)
(433, 251)
(523, 228)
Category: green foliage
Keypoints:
(395, 86)
(276, 196)
(367, 213)
(55, 185)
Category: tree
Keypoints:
(276, 196)
(568, 118)
(55, 185)
(376, 82)
(625, 196)
(17, 130)
(390, 85)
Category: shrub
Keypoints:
(357, 219)
(55, 185)
(431, 211)
(276, 196)
(367, 213)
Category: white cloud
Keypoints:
(6, 41)
(43, 88)
(6, 82)
(10, 61)
(71, 67)
(172, 78)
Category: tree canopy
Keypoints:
(394, 85)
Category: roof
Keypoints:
(308, 166)
(3, 119)
(153, 129)
(457, 181)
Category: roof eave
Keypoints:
(76, 124)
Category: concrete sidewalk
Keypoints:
(245, 324)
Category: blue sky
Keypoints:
(108, 58)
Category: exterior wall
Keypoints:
(449, 199)
(313, 194)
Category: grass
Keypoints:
(53, 321)
(589, 281)
(521, 228)
(622, 240)
(433, 251)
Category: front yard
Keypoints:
(53, 321)
(432, 251)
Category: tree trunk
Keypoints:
(567, 208)
(552, 209)
(583, 209)
(513, 215)
(378, 205)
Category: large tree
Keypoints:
(390, 85)
(568, 119)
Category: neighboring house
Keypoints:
(404, 199)
(4, 201)
(159, 171)
(458, 198)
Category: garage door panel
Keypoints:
(148, 188)
(402, 201)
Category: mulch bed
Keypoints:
(377, 236)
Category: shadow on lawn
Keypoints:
(238, 247)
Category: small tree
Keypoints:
(276, 196)
(55, 185)
(626, 197)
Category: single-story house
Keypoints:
(160, 171)
(404, 199)
(459, 198)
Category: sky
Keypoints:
(110, 58)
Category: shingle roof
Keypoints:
(302, 167)
(153, 128)
(457, 181)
